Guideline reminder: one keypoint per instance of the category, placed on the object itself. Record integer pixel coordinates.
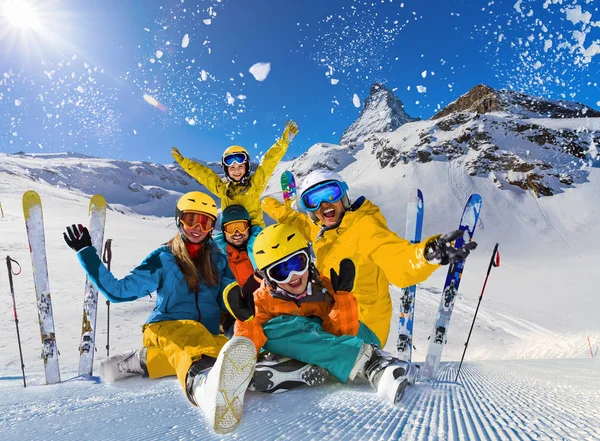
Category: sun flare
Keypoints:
(21, 14)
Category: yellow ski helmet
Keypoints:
(275, 243)
(195, 201)
(235, 149)
(239, 155)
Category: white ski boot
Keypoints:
(219, 391)
(117, 367)
(388, 375)
(280, 374)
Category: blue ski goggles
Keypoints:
(283, 271)
(330, 191)
(235, 158)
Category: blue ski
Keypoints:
(414, 228)
(438, 338)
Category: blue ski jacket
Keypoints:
(160, 273)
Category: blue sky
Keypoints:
(77, 81)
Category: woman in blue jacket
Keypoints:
(190, 277)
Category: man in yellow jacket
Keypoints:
(339, 229)
(240, 187)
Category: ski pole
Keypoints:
(106, 258)
(12, 292)
(494, 262)
(590, 344)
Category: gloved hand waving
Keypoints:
(441, 251)
(345, 280)
(239, 304)
(77, 237)
(177, 155)
(290, 130)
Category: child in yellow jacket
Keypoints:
(240, 187)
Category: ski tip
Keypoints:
(30, 199)
(475, 198)
(97, 200)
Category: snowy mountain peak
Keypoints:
(52, 155)
(484, 99)
(382, 111)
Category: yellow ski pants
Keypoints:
(174, 345)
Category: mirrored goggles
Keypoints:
(193, 219)
(239, 226)
(235, 158)
(330, 191)
(296, 264)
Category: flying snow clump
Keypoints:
(260, 71)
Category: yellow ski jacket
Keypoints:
(380, 256)
(232, 193)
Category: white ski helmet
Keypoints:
(317, 177)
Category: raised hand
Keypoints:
(345, 280)
(178, 156)
(290, 130)
(240, 306)
(77, 237)
(441, 251)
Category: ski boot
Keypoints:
(277, 373)
(388, 375)
(219, 391)
(117, 367)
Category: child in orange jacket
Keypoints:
(296, 314)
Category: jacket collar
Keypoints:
(347, 218)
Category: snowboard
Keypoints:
(414, 228)
(97, 217)
(34, 223)
(438, 338)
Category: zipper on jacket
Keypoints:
(198, 308)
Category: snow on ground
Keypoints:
(505, 400)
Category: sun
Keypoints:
(21, 15)
(36, 29)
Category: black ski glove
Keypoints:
(239, 305)
(345, 280)
(442, 252)
(77, 237)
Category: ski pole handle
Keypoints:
(107, 254)
(9, 265)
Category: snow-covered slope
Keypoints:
(494, 401)
(133, 187)
(556, 399)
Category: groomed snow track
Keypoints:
(504, 400)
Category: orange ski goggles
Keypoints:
(240, 226)
(193, 219)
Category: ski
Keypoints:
(414, 228)
(97, 214)
(438, 338)
(288, 187)
(34, 223)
